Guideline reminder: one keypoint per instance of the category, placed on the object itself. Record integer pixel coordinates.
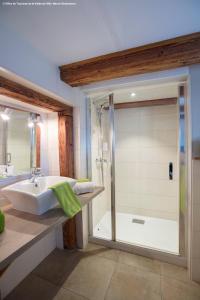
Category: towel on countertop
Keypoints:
(66, 198)
(83, 180)
(83, 187)
(2, 221)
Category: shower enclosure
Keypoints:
(138, 154)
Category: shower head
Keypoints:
(100, 109)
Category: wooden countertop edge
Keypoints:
(84, 200)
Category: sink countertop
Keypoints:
(22, 229)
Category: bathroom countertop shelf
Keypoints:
(24, 229)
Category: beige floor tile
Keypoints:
(58, 266)
(174, 271)
(91, 277)
(140, 262)
(32, 288)
(64, 294)
(130, 283)
(93, 249)
(173, 289)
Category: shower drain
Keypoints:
(138, 221)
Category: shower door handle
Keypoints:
(8, 158)
(170, 171)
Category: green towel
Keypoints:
(2, 222)
(83, 180)
(67, 199)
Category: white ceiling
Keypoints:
(146, 93)
(94, 27)
(159, 91)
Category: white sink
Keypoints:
(25, 196)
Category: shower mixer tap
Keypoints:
(101, 160)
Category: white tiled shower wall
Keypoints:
(146, 140)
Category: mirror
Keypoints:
(17, 142)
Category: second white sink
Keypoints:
(25, 196)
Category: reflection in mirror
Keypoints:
(17, 142)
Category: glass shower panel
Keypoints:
(100, 167)
(147, 176)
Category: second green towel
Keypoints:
(66, 198)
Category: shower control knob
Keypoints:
(98, 160)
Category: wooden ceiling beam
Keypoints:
(27, 95)
(168, 54)
(145, 103)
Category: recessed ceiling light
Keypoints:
(30, 124)
(5, 114)
(5, 117)
(133, 94)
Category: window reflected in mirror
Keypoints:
(18, 130)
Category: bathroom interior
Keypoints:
(100, 150)
(136, 150)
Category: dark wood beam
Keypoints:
(67, 112)
(145, 103)
(168, 54)
(27, 95)
(66, 157)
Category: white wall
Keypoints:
(80, 142)
(50, 145)
(53, 144)
(146, 141)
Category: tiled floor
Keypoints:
(100, 273)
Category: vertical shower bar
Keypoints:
(89, 159)
(112, 168)
(182, 172)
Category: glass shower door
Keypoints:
(101, 167)
(147, 175)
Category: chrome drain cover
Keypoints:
(138, 221)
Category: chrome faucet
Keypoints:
(36, 172)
